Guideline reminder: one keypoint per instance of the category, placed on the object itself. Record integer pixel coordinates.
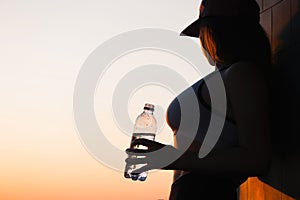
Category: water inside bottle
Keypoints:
(142, 176)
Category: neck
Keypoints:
(220, 66)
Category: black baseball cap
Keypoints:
(247, 10)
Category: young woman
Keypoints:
(233, 40)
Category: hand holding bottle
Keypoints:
(145, 127)
(150, 161)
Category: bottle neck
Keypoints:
(148, 111)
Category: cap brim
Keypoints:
(192, 30)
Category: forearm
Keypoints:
(234, 161)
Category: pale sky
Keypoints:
(43, 47)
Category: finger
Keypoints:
(140, 170)
(135, 161)
(142, 141)
(148, 143)
(136, 151)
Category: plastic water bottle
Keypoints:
(145, 127)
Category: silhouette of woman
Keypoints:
(233, 40)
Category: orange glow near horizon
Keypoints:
(43, 47)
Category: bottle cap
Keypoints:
(149, 106)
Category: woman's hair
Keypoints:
(228, 40)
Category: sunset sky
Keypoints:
(43, 47)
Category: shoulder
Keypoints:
(243, 74)
(246, 86)
(242, 68)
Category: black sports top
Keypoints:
(228, 135)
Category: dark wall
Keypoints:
(281, 20)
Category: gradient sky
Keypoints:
(43, 46)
